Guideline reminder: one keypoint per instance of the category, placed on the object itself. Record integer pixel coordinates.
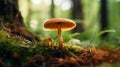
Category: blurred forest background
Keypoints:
(91, 16)
(22, 24)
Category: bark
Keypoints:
(77, 13)
(104, 18)
(9, 9)
(12, 21)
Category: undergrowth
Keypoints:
(16, 51)
(10, 44)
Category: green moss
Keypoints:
(10, 44)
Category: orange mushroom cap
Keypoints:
(65, 24)
(48, 40)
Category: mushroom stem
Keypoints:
(60, 40)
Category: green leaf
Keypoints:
(105, 31)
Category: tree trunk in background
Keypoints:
(77, 14)
(104, 18)
(52, 9)
(12, 21)
(29, 14)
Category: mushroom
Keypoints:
(59, 24)
(48, 41)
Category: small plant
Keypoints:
(99, 34)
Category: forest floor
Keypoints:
(16, 51)
(91, 57)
